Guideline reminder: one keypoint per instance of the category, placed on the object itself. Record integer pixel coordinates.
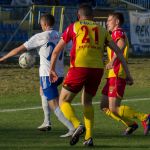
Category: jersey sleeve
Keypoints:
(67, 35)
(118, 34)
(35, 41)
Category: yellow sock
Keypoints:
(69, 113)
(130, 113)
(89, 121)
(125, 121)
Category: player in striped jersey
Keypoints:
(113, 91)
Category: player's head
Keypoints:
(46, 21)
(85, 11)
(114, 21)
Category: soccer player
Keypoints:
(113, 90)
(45, 43)
(86, 69)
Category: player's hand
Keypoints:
(129, 80)
(109, 65)
(53, 76)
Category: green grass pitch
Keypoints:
(19, 89)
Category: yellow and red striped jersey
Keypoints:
(89, 39)
(117, 70)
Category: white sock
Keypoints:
(63, 119)
(46, 109)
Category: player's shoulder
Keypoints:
(54, 32)
(70, 27)
(119, 32)
(48, 34)
(54, 35)
(41, 34)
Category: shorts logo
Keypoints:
(111, 89)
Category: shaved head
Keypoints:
(85, 10)
(48, 18)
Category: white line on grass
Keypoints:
(75, 104)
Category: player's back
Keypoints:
(50, 39)
(89, 40)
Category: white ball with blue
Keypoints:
(26, 60)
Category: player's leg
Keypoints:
(109, 102)
(65, 99)
(73, 83)
(114, 107)
(131, 113)
(113, 91)
(104, 103)
(89, 91)
(46, 125)
(114, 112)
(53, 104)
(67, 109)
(120, 88)
(104, 106)
(50, 91)
(88, 117)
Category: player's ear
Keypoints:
(117, 21)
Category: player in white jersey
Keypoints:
(45, 42)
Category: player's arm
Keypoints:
(119, 54)
(121, 44)
(13, 52)
(59, 47)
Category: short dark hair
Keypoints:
(85, 10)
(48, 18)
(119, 16)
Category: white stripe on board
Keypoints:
(75, 104)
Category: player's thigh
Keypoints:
(51, 93)
(66, 96)
(75, 79)
(120, 87)
(93, 81)
(49, 90)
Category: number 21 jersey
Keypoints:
(89, 40)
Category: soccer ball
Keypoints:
(26, 60)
